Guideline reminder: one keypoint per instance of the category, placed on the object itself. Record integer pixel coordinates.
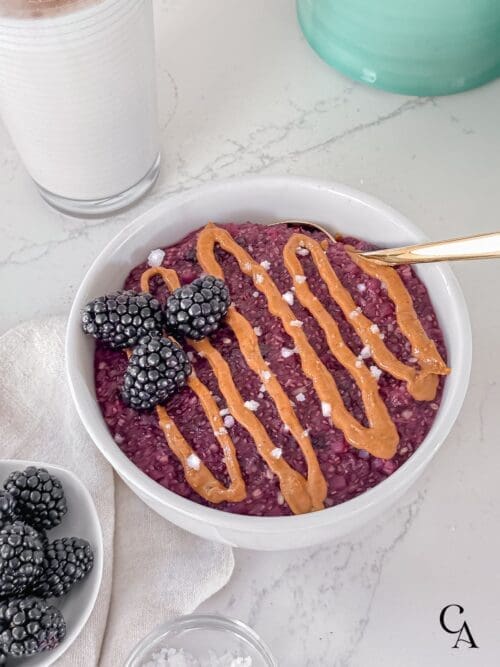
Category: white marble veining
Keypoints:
(242, 93)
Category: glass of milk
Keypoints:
(78, 97)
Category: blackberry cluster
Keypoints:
(120, 319)
(21, 558)
(31, 626)
(39, 497)
(157, 369)
(196, 310)
(32, 569)
(67, 561)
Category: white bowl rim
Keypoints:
(327, 517)
(98, 549)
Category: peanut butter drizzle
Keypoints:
(293, 485)
(422, 384)
(201, 480)
(249, 346)
(381, 437)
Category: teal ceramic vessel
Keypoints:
(415, 47)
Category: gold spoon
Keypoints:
(481, 246)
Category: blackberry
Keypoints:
(8, 512)
(31, 626)
(157, 369)
(195, 310)
(39, 497)
(120, 319)
(67, 561)
(21, 558)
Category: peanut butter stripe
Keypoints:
(249, 346)
(293, 486)
(421, 384)
(381, 437)
(199, 476)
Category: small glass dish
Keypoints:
(199, 635)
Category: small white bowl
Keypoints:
(81, 520)
(264, 199)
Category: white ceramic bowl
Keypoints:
(265, 199)
(81, 520)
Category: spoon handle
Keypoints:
(482, 246)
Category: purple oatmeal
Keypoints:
(348, 471)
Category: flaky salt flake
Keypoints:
(257, 331)
(220, 431)
(355, 313)
(265, 264)
(287, 352)
(252, 405)
(285, 428)
(303, 252)
(228, 421)
(277, 453)
(366, 352)
(255, 294)
(300, 397)
(193, 462)
(361, 287)
(266, 375)
(247, 266)
(262, 389)
(326, 409)
(280, 499)
(300, 279)
(358, 363)
(306, 432)
(289, 298)
(224, 412)
(156, 257)
(381, 336)
(376, 372)
(259, 278)
(296, 323)
(374, 329)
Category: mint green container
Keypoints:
(415, 47)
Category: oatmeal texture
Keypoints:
(348, 471)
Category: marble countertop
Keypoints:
(242, 93)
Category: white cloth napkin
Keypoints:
(152, 569)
